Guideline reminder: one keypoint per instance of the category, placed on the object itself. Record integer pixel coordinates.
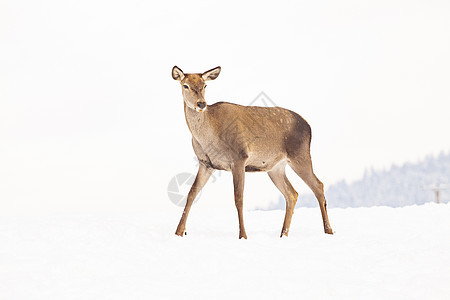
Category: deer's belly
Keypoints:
(254, 163)
(220, 156)
(263, 163)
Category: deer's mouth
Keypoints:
(198, 109)
(200, 106)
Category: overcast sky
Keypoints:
(91, 120)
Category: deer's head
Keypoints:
(193, 86)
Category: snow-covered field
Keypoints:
(376, 253)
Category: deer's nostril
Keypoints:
(201, 105)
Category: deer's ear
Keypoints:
(177, 74)
(211, 74)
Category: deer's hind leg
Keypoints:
(302, 165)
(278, 177)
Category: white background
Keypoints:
(91, 120)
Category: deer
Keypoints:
(240, 139)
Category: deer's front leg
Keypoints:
(238, 172)
(202, 177)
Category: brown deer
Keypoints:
(241, 139)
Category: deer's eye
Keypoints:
(185, 86)
(205, 86)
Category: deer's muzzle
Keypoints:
(201, 104)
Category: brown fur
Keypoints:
(243, 139)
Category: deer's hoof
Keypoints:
(242, 235)
(180, 232)
(284, 232)
(328, 230)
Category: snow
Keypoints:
(375, 253)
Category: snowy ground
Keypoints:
(376, 253)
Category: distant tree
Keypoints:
(398, 186)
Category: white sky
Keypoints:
(91, 120)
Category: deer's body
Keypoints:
(243, 139)
(266, 135)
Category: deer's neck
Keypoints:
(198, 122)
